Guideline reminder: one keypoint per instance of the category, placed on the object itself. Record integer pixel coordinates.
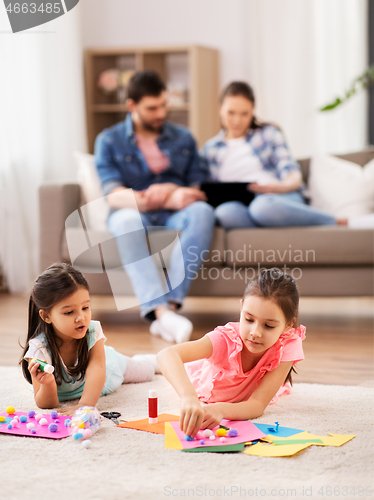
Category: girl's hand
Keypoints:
(212, 416)
(42, 378)
(191, 415)
(70, 410)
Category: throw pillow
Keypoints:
(340, 187)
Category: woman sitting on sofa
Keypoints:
(248, 151)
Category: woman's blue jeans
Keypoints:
(128, 226)
(271, 210)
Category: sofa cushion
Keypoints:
(340, 187)
(158, 241)
(360, 158)
(300, 246)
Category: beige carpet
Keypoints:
(124, 463)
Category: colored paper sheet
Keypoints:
(41, 430)
(247, 431)
(144, 425)
(331, 440)
(225, 448)
(266, 450)
(278, 442)
(172, 442)
(171, 439)
(282, 431)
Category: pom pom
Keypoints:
(31, 414)
(33, 431)
(223, 439)
(14, 423)
(10, 410)
(233, 433)
(212, 437)
(23, 418)
(30, 426)
(87, 434)
(2, 419)
(207, 433)
(86, 444)
(77, 436)
(57, 421)
(202, 441)
(43, 421)
(53, 427)
(38, 416)
(10, 426)
(221, 432)
(67, 422)
(188, 438)
(54, 414)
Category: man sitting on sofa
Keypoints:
(159, 162)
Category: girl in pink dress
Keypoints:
(235, 371)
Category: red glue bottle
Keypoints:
(152, 407)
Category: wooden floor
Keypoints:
(339, 348)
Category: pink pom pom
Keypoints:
(87, 425)
(87, 434)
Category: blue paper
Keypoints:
(282, 431)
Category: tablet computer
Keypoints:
(221, 192)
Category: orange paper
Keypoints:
(144, 425)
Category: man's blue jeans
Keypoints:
(196, 223)
(271, 210)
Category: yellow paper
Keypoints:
(265, 450)
(171, 439)
(331, 440)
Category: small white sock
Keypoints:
(149, 358)
(176, 326)
(361, 222)
(138, 370)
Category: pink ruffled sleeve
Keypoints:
(225, 341)
(219, 345)
(292, 345)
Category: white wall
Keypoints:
(297, 55)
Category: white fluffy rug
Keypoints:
(125, 463)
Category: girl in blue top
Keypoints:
(60, 332)
(249, 151)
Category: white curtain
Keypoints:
(302, 55)
(41, 123)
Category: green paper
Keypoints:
(220, 449)
(296, 441)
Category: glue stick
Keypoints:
(43, 366)
(152, 407)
